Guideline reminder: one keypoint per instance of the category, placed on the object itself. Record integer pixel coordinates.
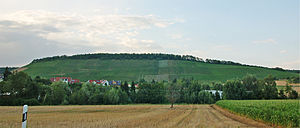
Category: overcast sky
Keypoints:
(256, 32)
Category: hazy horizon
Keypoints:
(253, 32)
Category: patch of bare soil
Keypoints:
(20, 69)
(241, 119)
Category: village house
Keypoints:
(104, 82)
(214, 92)
(136, 85)
(113, 82)
(67, 80)
(99, 82)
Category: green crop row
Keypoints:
(277, 112)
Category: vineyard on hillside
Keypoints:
(275, 112)
(135, 70)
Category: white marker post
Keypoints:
(24, 119)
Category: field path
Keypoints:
(124, 116)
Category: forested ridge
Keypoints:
(149, 56)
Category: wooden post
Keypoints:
(24, 118)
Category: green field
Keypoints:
(147, 69)
(275, 112)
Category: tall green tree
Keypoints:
(173, 93)
(252, 87)
(270, 91)
(112, 96)
(125, 87)
(6, 74)
(217, 96)
(234, 90)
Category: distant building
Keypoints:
(113, 82)
(136, 85)
(99, 82)
(67, 80)
(73, 81)
(214, 92)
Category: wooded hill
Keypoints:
(133, 67)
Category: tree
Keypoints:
(205, 97)
(38, 79)
(132, 88)
(6, 74)
(111, 96)
(251, 84)
(123, 96)
(234, 90)
(57, 94)
(20, 85)
(172, 93)
(217, 86)
(288, 89)
(151, 93)
(281, 94)
(132, 93)
(125, 87)
(270, 91)
(293, 94)
(217, 96)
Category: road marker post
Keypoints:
(24, 118)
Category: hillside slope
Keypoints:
(130, 69)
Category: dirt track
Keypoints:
(125, 116)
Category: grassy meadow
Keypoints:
(148, 69)
(124, 116)
(275, 112)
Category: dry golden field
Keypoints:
(283, 83)
(125, 116)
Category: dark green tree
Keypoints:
(217, 96)
(270, 91)
(111, 96)
(6, 74)
(125, 87)
(132, 93)
(234, 90)
(281, 94)
(252, 87)
(293, 94)
(132, 88)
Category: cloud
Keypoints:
(71, 32)
(295, 64)
(267, 41)
(72, 28)
(222, 47)
(176, 36)
(283, 51)
(180, 37)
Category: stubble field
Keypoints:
(125, 116)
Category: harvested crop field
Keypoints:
(125, 116)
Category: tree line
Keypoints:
(2, 69)
(252, 88)
(18, 88)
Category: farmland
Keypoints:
(125, 116)
(275, 112)
(87, 69)
(282, 83)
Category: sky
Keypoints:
(255, 32)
